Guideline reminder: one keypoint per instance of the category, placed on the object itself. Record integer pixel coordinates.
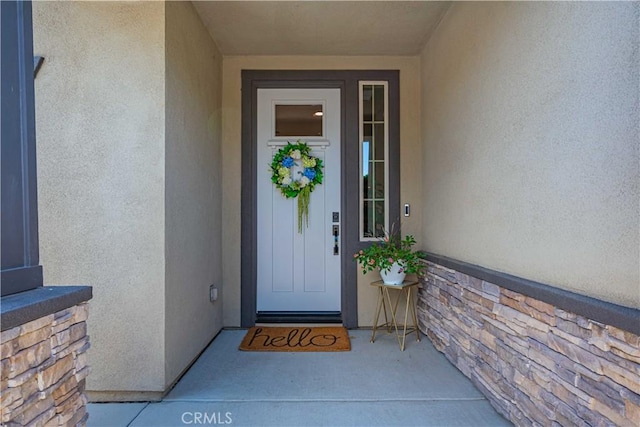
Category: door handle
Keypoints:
(336, 233)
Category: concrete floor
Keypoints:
(371, 385)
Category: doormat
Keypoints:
(266, 338)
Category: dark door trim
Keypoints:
(21, 269)
(347, 81)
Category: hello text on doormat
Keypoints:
(263, 338)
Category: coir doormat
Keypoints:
(264, 338)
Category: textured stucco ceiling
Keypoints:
(320, 27)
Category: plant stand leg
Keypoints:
(379, 305)
(394, 309)
(415, 316)
(384, 308)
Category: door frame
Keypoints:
(347, 82)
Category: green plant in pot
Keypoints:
(394, 257)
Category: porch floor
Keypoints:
(371, 385)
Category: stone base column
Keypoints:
(44, 367)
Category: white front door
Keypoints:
(298, 272)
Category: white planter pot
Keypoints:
(394, 275)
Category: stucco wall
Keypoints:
(531, 143)
(193, 187)
(411, 186)
(100, 131)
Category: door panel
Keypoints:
(298, 272)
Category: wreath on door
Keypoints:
(295, 172)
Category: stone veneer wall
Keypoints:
(537, 364)
(44, 366)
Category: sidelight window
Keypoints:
(374, 152)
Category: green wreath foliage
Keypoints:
(295, 172)
(291, 188)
